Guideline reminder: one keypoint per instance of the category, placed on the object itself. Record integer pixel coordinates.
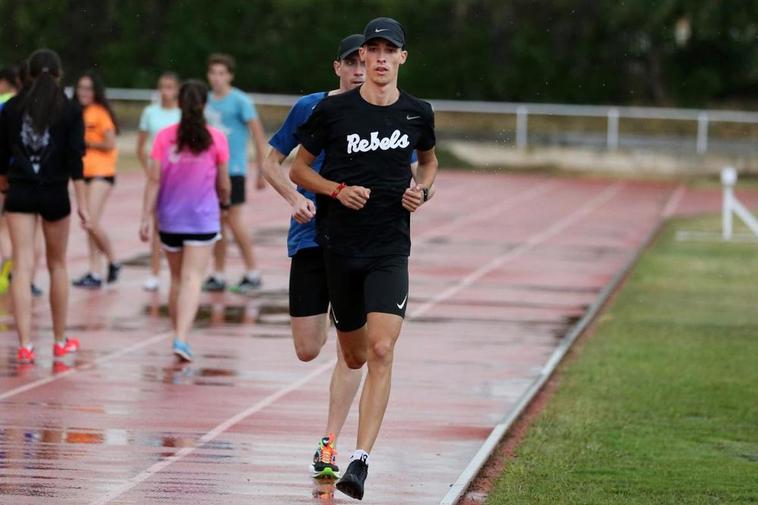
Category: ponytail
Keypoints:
(193, 133)
(44, 100)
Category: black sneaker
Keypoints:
(113, 270)
(36, 292)
(213, 284)
(352, 481)
(246, 285)
(88, 281)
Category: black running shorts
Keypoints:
(309, 295)
(110, 179)
(175, 242)
(50, 201)
(359, 286)
(238, 190)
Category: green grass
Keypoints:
(661, 403)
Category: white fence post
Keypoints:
(613, 129)
(702, 133)
(728, 180)
(733, 205)
(522, 120)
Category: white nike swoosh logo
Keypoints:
(377, 30)
(334, 316)
(411, 117)
(401, 305)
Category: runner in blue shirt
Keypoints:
(308, 295)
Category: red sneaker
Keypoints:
(25, 355)
(68, 346)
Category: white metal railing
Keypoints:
(522, 111)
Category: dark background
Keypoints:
(575, 51)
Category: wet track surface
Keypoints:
(501, 267)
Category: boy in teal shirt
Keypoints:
(233, 112)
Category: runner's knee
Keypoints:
(354, 359)
(381, 352)
(307, 349)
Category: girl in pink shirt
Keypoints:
(188, 185)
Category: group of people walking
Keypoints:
(365, 162)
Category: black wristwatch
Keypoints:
(425, 192)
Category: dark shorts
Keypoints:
(309, 295)
(110, 179)
(174, 242)
(359, 286)
(51, 201)
(238, 190)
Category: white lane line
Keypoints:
(86, 366)
(225, 425)
(521, 249)
(674, 201)
(486, 213)
(211, 435)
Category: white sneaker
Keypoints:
(151, 284)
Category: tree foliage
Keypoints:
(580, 51)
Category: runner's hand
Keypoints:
(144, 229)
(303, 210)
(413, 198)
(3, 184)
(354, 197)
(260, 181)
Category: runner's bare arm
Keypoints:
(302, 174)
(427, 168)
(259, 137)
(223, 184)
(141, 154)
(303, 210)
(414, 170)
(108, 143)
(148, 202)
(424, 176)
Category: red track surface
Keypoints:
(501, 267)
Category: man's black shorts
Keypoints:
(48, 200)
(238, 190)
(359, 286)
(309, 295)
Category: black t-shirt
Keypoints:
(367, 145)
(50, 157)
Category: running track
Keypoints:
(502, 265)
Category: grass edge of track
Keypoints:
(660, 404)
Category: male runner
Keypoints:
(309, 298)
(363, 221)
(231, 111)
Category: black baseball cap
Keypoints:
(349, 45)
(387, 29)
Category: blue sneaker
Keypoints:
(183, 350)
(88, 281)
